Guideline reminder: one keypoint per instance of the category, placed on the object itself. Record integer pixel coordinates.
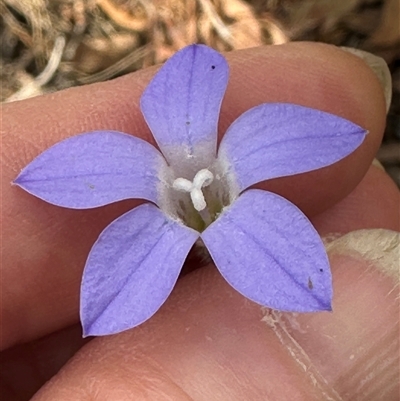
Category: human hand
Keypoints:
(207, 342)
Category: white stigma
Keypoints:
(203, 178)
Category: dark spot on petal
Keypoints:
(310, 284)
(187, 122)
(321, 270)
(213, 67)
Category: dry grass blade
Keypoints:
(118, 67)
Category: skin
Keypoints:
(207, 342)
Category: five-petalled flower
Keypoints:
(261, 243)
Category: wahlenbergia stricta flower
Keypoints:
(261, 243)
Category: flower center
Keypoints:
(196, 198)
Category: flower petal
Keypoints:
(181, 104)
(281, 139)
(94, 169)
(131, 270)
(268, 251)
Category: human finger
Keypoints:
(210, 343)
(364, 208)
(45, 247)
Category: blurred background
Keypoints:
(49, 45)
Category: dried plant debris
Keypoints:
(48, 45)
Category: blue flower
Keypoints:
(261, 243)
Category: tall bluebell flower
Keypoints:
(261, 243)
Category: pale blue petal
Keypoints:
(281, 139)
(267, 250)
(132, 269)
(94, 169)
(181, 104)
